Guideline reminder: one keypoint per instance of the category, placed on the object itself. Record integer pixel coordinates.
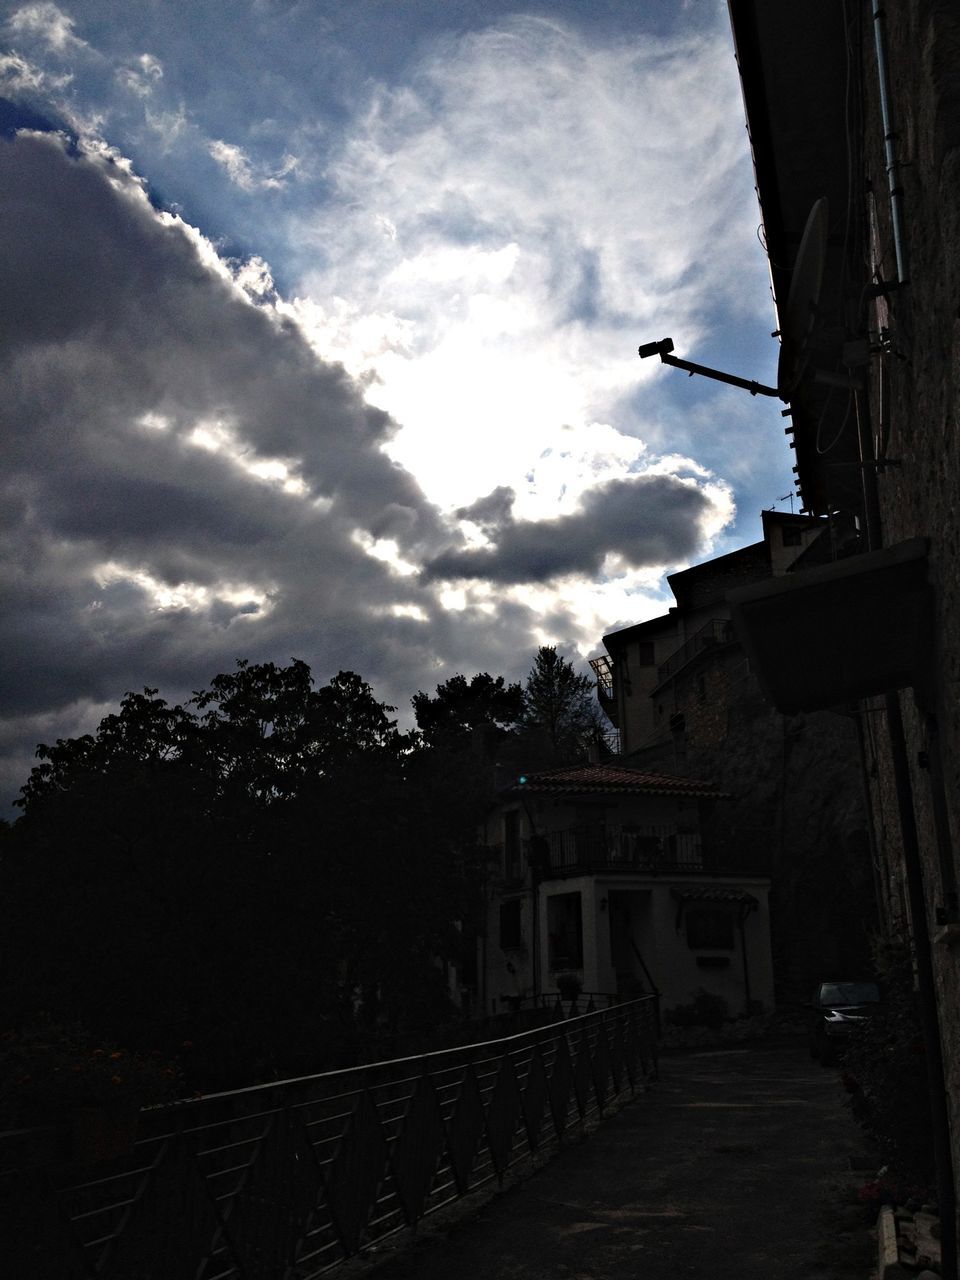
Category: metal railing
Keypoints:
(717, 631)
(600, 848)
(285, 1181)
(603, 670)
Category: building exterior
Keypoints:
(599, 879)
(853, 112)
(682, 693)
(662, 680)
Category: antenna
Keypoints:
(800, 317)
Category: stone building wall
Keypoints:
(915, 410)
(796, 812)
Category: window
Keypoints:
(511, 924)
(847, 993)
(792, 536)
(709, 929)
(645, 653)
(565, 929)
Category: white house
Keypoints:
(598, 877)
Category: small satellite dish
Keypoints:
(800, 315)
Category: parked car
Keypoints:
(836, 1009)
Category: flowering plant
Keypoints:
(51, 1069)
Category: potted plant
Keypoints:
(56, 1076)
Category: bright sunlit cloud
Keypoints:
(488, 283)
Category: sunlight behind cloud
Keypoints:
(487, 283)
(246, 601)
(385, 550)
(216, 437)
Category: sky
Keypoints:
(319, 332)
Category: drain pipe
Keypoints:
(889, 135)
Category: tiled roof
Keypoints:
(612, 778)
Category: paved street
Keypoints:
(734, 1165)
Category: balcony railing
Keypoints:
(603, 670)
(626, 848)
(289, 1179)
(606, 692)
(717, 631)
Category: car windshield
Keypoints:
(845, 993)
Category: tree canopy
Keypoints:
(460, 707)
(556, 706)
(268, 871)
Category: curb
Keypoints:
(888, 1261)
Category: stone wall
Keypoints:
(797, 812)
(915, 410)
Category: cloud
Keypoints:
(510, 221)
(643, 521)
(238, 167)
(48, 24)
(18, 76)
(493, 511)
(186, 482)
(183, 481)
(143, 77)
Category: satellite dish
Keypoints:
(800, 315)
(796, 329)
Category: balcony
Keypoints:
(716, 632)
(606, 694)
(585, 849)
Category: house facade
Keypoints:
(599, 879)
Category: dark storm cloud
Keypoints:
(121, 338)
(646, 520)
(495, 509)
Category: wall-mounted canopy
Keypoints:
(846, 630)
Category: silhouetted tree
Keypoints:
(459, 707)
(560, 703)
(268, 872)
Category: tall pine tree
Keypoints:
(560, 703)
